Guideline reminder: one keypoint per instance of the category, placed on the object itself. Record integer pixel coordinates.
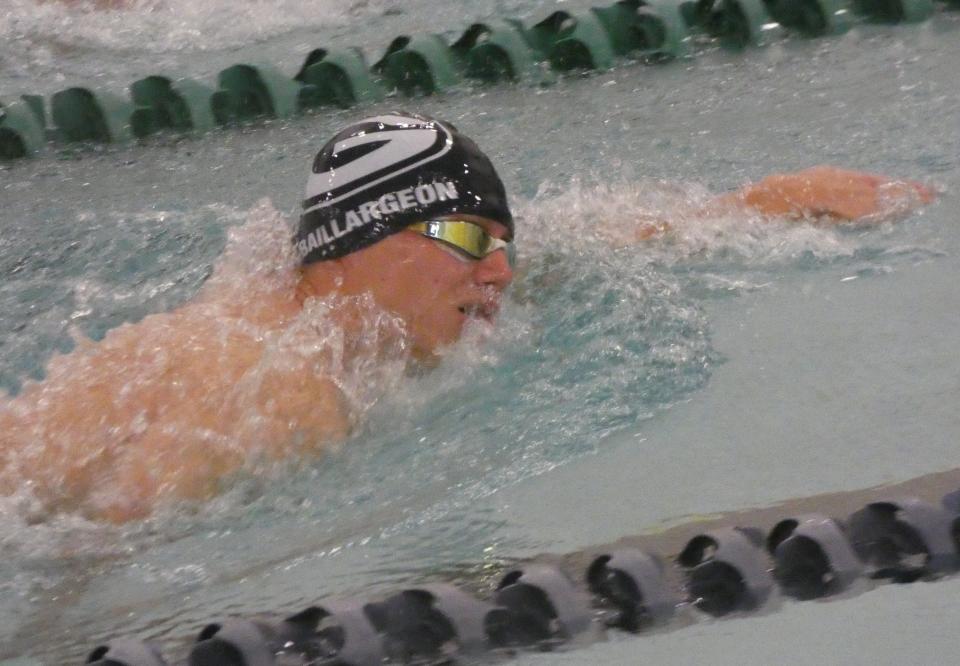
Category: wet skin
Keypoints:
(830, 194)
(170, 407)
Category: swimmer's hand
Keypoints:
(830, 194)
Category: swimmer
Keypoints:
(403, 215)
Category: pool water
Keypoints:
(736, 362)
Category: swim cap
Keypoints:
(387, 172)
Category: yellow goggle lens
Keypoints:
(465, 236)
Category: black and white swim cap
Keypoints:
(387, 172)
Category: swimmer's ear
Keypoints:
(319, 279)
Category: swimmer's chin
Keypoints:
(476, 331)
(417, 367)
(423, 360)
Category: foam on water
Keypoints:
(159, 26)
(47, 44)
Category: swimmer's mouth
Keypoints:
(480, 311)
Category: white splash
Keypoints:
(159, 26)
(668, 223)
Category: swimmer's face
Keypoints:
(434, 288)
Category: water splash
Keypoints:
(170, 406)
(597, 336)
(161, 26)
(599, 320)
(711, 249)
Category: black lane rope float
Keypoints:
(502, 50)
(731, 565)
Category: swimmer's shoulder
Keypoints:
(306, 405)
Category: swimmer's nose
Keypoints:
(494, 270)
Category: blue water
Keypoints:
(737, 362)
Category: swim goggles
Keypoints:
(469, 238)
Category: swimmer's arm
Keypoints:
(823, 194)
(828, 194)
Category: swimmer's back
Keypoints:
(164, 408)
